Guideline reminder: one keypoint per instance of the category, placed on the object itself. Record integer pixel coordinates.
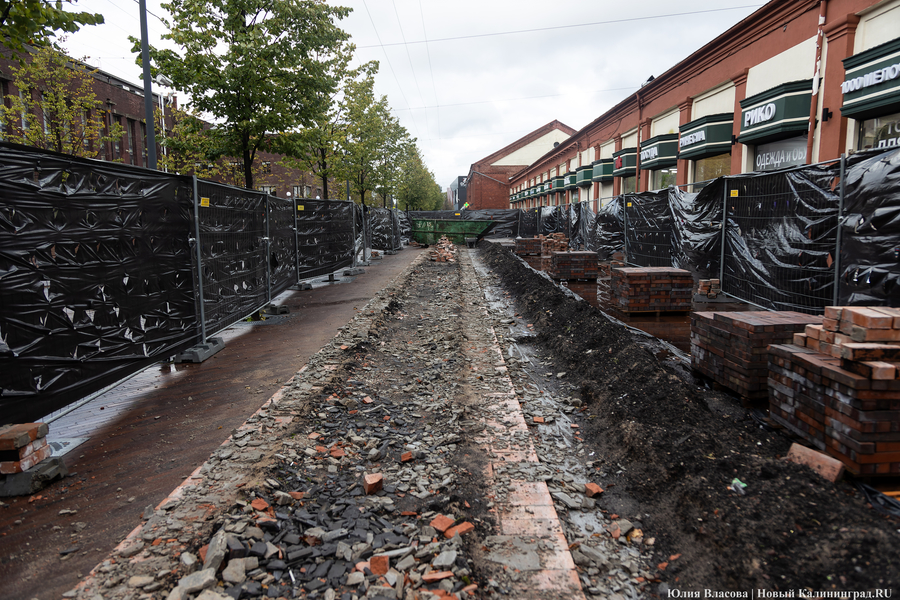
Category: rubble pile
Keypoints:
(443, 251)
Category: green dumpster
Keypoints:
(429, 231)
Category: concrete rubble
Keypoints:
(403, 461)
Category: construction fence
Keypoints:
(107, 268)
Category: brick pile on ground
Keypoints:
(731, 347)
(651, 289)
(555, 242)
(443, 251)
(574, 265)
(22, 447)
(711, 288)
(838, 387)
(529, 246)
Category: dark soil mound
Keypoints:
(679, 447)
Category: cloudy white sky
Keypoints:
(468, 77)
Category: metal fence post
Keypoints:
(268, 241)
(199, 262)
(353, 220)
(625, 226)
(724, 221)
(296, 241)
(837, 240)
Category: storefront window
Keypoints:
(780, 154)
(712, 167)
(662, 178)
(880, 132)
(628, 185)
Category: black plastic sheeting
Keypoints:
(870, 232)
(282, 248)
(95, 276)
(780, 238)
(528, 222)
(405, 227)
(649, 231)
(234, 253)
(608, 232)
(325, 241)
(507, 220)
(697, 230)
(385, 228)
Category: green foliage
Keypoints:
(319, 147)
(260, 68)
(187, 147)
(35, 22)
(417, 188)
(57, 108)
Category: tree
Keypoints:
(187, 148)
(259, 69)
(396, 144)
(318, 148)
(417, 189)
(35, 22)
(364, 135)
(56, 108)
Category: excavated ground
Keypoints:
(477, 389)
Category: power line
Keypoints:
(430, 69)
(539, 29)
(390, 66)
(631, 87)
(411, 67)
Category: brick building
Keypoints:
(756, 98)
(124, 103)
(487, 184)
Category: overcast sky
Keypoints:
(468, 77)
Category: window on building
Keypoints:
(712, 167)
(628, 185)
(267, 167)
(145, 156)
(24, 116)
(662, 178)
(129, 134)
(4, 90)
(880, 132)
(267, 189)
(117, 143)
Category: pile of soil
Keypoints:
(677, 447)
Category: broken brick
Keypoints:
(461, 529)
(538, 419)
(372, 482)
(259, 504)
(406, 457)
(436, 576)
(441, 523)
(337, 452)
(379, 564)
(592, 489)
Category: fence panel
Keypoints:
(780, 238)
(648, 229)
(385, 229)
(324, 236)
(528, 224)
(282, 245)
(95, 276)
(234, 253)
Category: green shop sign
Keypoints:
(706, 136)
(871, 84)
(775, 114)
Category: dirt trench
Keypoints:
(466, 385)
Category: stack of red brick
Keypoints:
(22, 447)
(731, 347)
(710, 288)
(555, 242)
(529, 246)
(838, 386)
(574, 265)
(650, 289)
(604, 277)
